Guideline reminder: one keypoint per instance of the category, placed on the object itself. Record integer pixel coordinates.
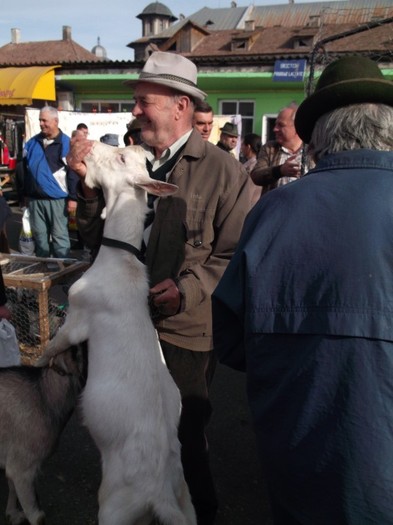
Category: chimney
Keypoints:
(15, 36)
(66, 33)
(249, 25)
(314, 21)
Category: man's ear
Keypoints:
(183, 103)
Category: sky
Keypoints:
(113, 21)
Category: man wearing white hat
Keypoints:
(189, 242)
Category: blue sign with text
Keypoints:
(289, 70)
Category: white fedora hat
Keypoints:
(171, 70)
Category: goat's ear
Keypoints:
(158, 188)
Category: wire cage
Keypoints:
(36, 290)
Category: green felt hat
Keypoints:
(230, 129)
(349, 80)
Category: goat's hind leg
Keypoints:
(186, 505)
(120, 503)
(175, 507)
(120, 509)
(23, 490)
(13, 515)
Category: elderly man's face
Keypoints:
(157, 110)
(49, 125)
(284, 128)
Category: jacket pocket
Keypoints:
(199, 232)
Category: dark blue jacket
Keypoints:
(306, 309)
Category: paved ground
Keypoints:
(69, 480)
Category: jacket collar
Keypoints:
(364, 158)
(196, 146)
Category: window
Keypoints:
(106, 107)
(239, 44)
(245, 108)
(300, 41)
(268, 122)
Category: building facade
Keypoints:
(251, 60)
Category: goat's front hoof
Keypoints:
(16, 518)
(41, 519)
(19, 518)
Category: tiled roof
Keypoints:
(219, 35)
(49, 52)
(285, 30)
(268, 44)
(286, 15)
(218, 19)
(341, 12)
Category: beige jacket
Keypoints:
(193, 236)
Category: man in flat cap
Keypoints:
(111, 139)
(228, 137)
(190, 238)
(305, 308)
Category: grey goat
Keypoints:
(35, 405)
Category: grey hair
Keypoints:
(293, 106)
(359, 126)
(51, 110)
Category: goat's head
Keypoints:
(119, 169)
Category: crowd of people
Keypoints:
(290, 286)
(49, 185)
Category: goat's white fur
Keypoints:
(131, 404)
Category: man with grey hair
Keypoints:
(305, 308)
(49, 186)
(279, 161)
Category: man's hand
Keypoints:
(79, 149)
(291, 167)
(71, 207)
(165, 298)
(5, 313)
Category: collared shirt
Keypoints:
(284, 156)
(168, 153)
(157, 163)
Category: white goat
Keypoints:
(131, 404)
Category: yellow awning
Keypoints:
(20, 85)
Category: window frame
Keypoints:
(246, 128)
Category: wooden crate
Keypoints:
(36, 291)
